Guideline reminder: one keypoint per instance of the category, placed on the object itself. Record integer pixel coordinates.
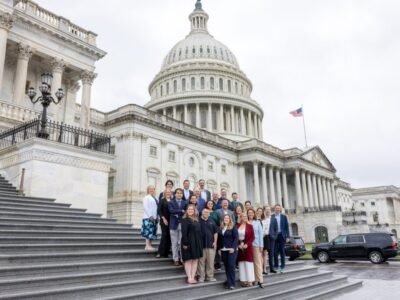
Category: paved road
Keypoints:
(381, 282)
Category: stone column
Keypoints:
(163, 160)
(299, 199)
(181, 170)
(185, 113)
(233, 123)
(242, 121)
(264, 184)
(209, 118)
(221, 118)
(328, 188)
(87, 81)
(334, 197)
(271, 186)
(6, 21)
(256, 183)
(261, 134)
(278, 187)
(314, 189)
(24, 54)
(70, 104)
(243, 190)
(249, 128)
(198, 123)
(255, 126)
(174, 112)
(325, 192)
(58, 66)
(320, 193)
(304, 189)
(310, 191)
(285, 191)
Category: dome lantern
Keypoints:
(198, 19)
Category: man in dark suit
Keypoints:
(272, 235)
(205, 194)
(281, 237)
(187, 192)
(176, 207)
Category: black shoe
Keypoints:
(265, 273)
(260, 285)
(273, 271)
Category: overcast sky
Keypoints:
(340, 59)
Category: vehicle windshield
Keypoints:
(299, 241)
(341, 239)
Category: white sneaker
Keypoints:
(211, 279)
(201, 280)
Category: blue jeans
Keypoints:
(229, 260)
(279, 249)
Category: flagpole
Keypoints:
(304, 126)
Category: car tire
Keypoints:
(323, 256)
(375, 257)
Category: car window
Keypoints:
(355, 239)
(299, 241)
(340, 240)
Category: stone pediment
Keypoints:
(316, 156)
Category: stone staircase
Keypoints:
(49, 250)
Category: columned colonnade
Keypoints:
(313, 192)
(221, 118)
(57, 67)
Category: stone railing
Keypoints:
(261, 145)
(58, 22)
(17, 113)
(132, 109)
(97, 117)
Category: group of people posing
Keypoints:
(202, 229)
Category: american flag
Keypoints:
(297, 113)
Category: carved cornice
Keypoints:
(58, 65)
(25, 52)
(74, 87)
(88, 77)
(6, 21)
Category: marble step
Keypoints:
(55, 221)
(170, 284)
(25, 225)
(60, 216)
(68, 212)
(37, 234)
(10, 204)
(9, 200)
(50, 200)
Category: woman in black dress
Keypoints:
(192, 247)
(163, 212)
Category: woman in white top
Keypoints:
(267, 244)
(149, 222)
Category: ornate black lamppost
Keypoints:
(45, 99)
(353, 210)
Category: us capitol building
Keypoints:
(200, 123)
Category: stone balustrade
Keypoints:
(17, 113)
(34, 10)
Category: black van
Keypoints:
(377, 247)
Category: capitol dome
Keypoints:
(201, 83)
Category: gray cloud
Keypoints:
(340, 59)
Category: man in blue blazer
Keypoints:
(281, 237)
(176, 207)
(272, 236)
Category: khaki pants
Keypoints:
(206, 264)
(258, 264)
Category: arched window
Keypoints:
(229, 86)
(175, 86)
(321, 234)
(184, 84)
(201, 50)
(194, 50)
(202, 83)
(221, 84)
(236, 88)
(212, 83)
(167, 88)
(294, 228)
(161, 90)
(193, 83)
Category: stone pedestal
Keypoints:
(54, 170)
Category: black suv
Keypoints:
(377, 247)
(295, 247)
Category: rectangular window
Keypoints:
(171, 156)
(202, 83)
(212, 83)
(221, 84)
(229, 86)
(203, 119)
(167, 88)
(153, 151)
(214, 120)
(210, 166)
(223, 169)
(183, 84)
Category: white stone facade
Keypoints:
(200, 123)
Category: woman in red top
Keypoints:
(245, 255)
